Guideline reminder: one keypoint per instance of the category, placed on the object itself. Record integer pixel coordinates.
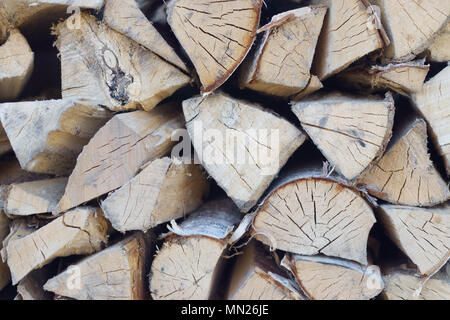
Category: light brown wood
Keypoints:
(422, 234)
(351, 132)
(324, 278)
(164, 190)
(5, 276)
(432, 103)
(100, 66)
(80, 231)
(313, 86)
(281, 63)
(17, 62)
(28, 198)
(117, 151)
(439, 50)
(248, 148)
(405, 174)
(115, 273)
(47, 136)
(411, 25)
(216, 35)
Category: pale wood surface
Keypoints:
(439, 51)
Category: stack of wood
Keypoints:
(314, 161)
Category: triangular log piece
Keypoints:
(325, 278)
(80, 231)
(351, 132)
(439, 51)
(282, 61)
(216, 35)
(422, 234)
(5, 276)
(100, 66)
(241, 145)
(115, 273)
(117, 151)
(47, 136)
(405, 174)
(164, 190)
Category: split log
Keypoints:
(164, 190)
(185, 267)
(216, 35)
(35, 197)
(412, 26)
(432, 103)
(347, 36)
(5, 275)
(100, 66)
(17, 62)
(47, 136)
(403, 78)
(125, 17)
(117, 151)
(324, 278)
(405, 174)
(115, 273)
(308, 213)
(257, 277)
(282, 61)
(264, 143)
(351, 132)
(422, 234)
(80, 231)
(439, 51)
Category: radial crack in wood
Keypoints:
(314, 85)
(439, 51)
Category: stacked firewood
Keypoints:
(234, 149)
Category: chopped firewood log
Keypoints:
(115, 273)
(412, 26)
(31, 287)
(264, 144)
(100, 66)
(47, 136)
(439, 51)
(405, 175)
(28, 198)
(422, 234)
(282, 62)
(216, 35)
(314, 85)
(403, 78)
(325, 278)
(163, 191)
(117, 151)
(432, 103)
(80, 231)
(184, 268)
(5, 276)
(17, 62)
(308, 213)
(256, 276)
(125, 17)
(347, 36)
(351, 132)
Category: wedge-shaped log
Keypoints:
(100, 66)
(282, 61)
(34, 197)
(115, 273)
(412, 26)
(405, 174)
(80, 231)
(325, 278)
(47, 136)
(17, 62)
(439, 51)
(5, 275)
(125, 17)
(256, 276)
(185, 267)
(422, 234)
(432, 102)
(347, 36)
(117, 151)
(164, 190)
(216, 35)
(351, 132)
(241, 145)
